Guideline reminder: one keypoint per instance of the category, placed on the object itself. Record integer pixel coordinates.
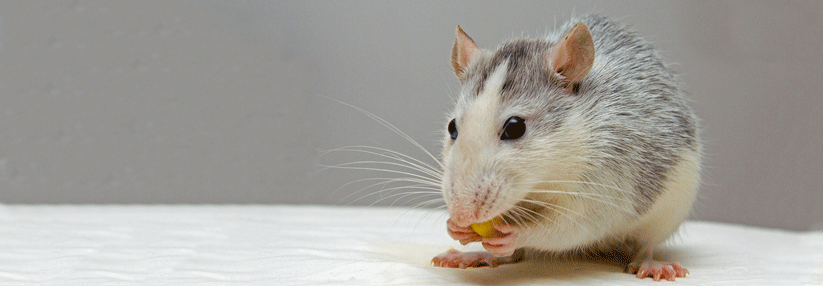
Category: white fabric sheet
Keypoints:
(320, 245)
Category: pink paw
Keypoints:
(657, 270)
(504, 244)
(464, 234)
(463, 260)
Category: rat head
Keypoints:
(509, 133)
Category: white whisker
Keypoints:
(424, 204)
(392, 128)
(413, 164)
(594, 197)
(556, 207)
(383, 180)
(402, 195)
(382, 193)
(417, 179)
(527, 213)
(348, 166)
(421, 185)
(574, 182)
(430, 167)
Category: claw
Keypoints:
(657, 270)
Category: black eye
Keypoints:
(453, 129)
(513, 128)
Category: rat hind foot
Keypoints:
(463, 260)
(657, 270)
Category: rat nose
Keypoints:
(475, 198)
(463, 220)
(463, 213)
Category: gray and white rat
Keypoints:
(579, 143)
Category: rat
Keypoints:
(580, 143)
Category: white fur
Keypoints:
(673, 205)
(471, 161)
(622, 166)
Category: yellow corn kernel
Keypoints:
(486, 229)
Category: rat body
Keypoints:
(581, 142)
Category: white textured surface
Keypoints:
(312, 245)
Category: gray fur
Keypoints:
(632, 103)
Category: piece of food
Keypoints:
(486, 229)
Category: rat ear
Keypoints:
(572, 58)
(463, 51)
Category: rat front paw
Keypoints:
(503, 244)
(464, 234)
(657, 270)
(463, 260)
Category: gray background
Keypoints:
(225, 102)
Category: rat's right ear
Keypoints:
(462, 53)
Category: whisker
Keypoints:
(421, 194)
(389, 180)
(426, 215)
(348, 166)
(420, 165)
(424, 204)
(527, 213)
(422, 185)
(402, 195)
(556, 207)
(429, 174)
(575, 182)
(594, 197)
(392, 128)
(384, 190)
(514, 212)
(528, 216)
(517, 213)
(419, 179)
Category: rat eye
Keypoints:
(513, 128)
(453, 129)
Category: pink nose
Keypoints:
(463, 219)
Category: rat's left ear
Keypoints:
(572, 57)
